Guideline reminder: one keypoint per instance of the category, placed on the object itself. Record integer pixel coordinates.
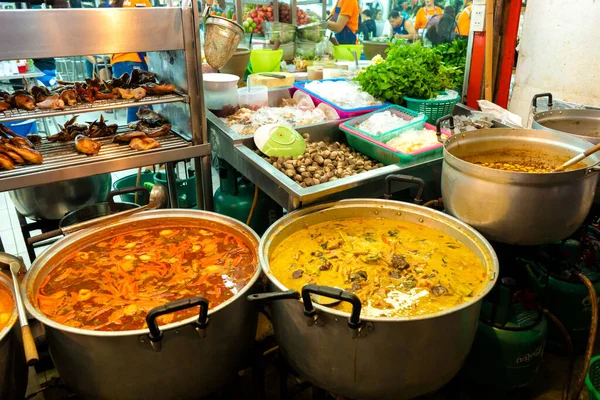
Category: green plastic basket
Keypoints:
(417, 120)
(186, 188)
(433, 109)
(592, 380)
(129, 182)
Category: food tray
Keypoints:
(342, 112)
(418, 121)
(388, 155)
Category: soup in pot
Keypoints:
(7, 306)
(110, 284)
(396, 268)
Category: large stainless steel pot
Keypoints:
(513, 207)
(192, 361)
(376, 358)
(582, 123)
(13, 369)
(53, 200)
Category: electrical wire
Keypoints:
(591, 338)
(254, 201)
(570, 352)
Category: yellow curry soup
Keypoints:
(396, 268)
(7, 306)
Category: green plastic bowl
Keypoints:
(266, 60)
(185, 188)
(129, 182)
(592, 379)
(344, 51)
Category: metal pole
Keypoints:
(207, 179)
(199, 189)
(171, 184)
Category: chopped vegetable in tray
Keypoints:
(414, 140)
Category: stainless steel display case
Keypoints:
(170, 37)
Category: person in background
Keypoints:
(442, 30)
(402, 28)
(367, 27)
(126, 62)
(379, 16)
(464, 19)
(426, 13)
(345, 24)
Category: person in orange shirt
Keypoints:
(463, 21)
(426, 13)
(345, 21)
(126, 62)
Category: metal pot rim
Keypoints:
(39, 265)
(397, 205)
(5, 281)
(525, 177)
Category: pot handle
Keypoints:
(438, 126)
(110, 198)
(406, 179)
(334, 293)
(43, 236)
(541, 96)
(156, 334)
(274, 296)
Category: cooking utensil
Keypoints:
(578, 158)
(313, 32)
(368, 357)
(53, 200)
(158, 199)
(221, 40)
(192, 362)
(278, 76)
(13, 368)
(15, 265)
(515, 207)
(355, 59)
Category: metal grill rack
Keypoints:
(170, 38)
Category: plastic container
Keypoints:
(265, 60)
(253, 97)
(129, 182)
(314, 73)
(342, 112)
(433, 109)
(332, 73)
(592, 379)
(185, 188)
(417, 122)
(344, 51)
(388, 155)
(220, 93)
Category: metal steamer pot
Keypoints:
(371, 358)
(13, 368)
(581, 123)
(515, 207)
(182, 360)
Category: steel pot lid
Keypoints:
(375, 208)
(43, 265)
(6, 284)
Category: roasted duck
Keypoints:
(4, 106)
(98, 95)
(6, 162)
(53, 102)
(34, 138)
(22, 100)
(68, 131)
(150, 117)
(158, 89)
(140, 77)
(101, 129)
(69, 96)
(143, 143)
(40, 93)
(131, 94)
(12, 155)
(128, 136)
(27, 153)
(157, 132)
(85, 94)
(88, 146)
(7, 133)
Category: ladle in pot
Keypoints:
(15, 264)
(578, 157)
(158, 199)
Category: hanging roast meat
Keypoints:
(53, 102)
(88, 146)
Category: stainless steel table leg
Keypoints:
(171, 184)
(199, 184)
(207, 178)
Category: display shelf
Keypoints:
(99, 105)
(62, 161)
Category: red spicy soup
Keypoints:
(112, 283)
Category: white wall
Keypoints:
(559, 53)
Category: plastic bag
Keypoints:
(501, 114)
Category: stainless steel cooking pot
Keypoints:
(13, 369)
(53, 200)
(184, 360)
(515, 207)
(364, 357)
(582, 123)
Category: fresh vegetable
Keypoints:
(410, 70)
(454, 56)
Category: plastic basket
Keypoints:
(185, 188)
(388, 155)
(344, 51)
(417, 122)
(433, 109)
(344, 113)
(129, 182)
(592, 379)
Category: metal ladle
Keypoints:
(578, 158)
(158, 199)
(15, 264)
